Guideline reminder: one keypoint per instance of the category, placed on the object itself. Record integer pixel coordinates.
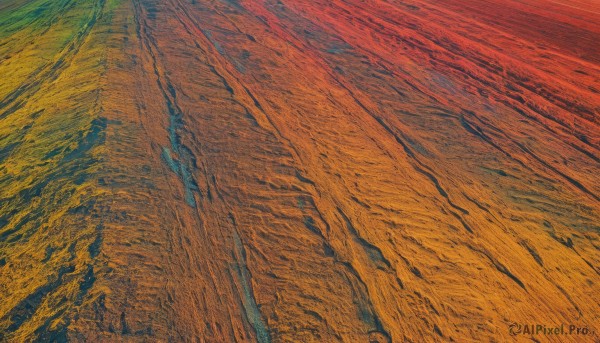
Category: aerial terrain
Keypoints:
(299, 170)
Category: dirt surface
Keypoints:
(299, 171)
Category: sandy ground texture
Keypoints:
(299, 170)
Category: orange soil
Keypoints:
(328, 170)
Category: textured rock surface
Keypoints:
(298, 171)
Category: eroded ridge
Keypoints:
(298, 171)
